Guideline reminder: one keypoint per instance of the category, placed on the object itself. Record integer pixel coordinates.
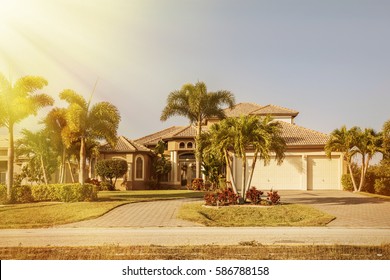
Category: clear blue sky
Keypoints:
(330, 60)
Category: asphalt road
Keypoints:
(169, 236)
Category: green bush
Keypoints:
(64, 192)
(22, 194)
(382, 186)
(346, 182)
(3, 194)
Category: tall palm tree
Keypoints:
(18, 101)
(88, 122)
(194, 102)
(345, 141)
(55, 123)
(267, 138)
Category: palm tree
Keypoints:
(86, 122)
(344, 141)
(37, 147)
(55, 123)
(195, 103)
(386, 140)
(18, 101)
(239, 135)
(267, 138)
(369, 143)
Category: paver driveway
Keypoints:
(350, 210)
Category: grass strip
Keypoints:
(267, 216)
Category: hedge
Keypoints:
(51, 192)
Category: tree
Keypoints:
(344, 141)
(194, 102)
(36, 146)
(243, 134)
(88, 122)
(369, 143)
(386, 141)
(161, 165)
(18, 101)
(355, 142)
(111, 169)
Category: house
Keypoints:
(305, 166)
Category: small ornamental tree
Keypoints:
(111, 169)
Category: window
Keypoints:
(189, 145)
(139, 167)
(182, 145)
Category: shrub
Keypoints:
(3, 194)
(346, 182)
(254, 195)
(221, 197)
(273, 197)
(197, 184)
(64, 192)
(22, 194)
(107, 186)
(382, 186)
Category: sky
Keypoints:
(328, 59)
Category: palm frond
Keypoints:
(71, 97)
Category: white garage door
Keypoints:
(323, 173)
(286, 176)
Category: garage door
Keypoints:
(323, 173)
(286, 176)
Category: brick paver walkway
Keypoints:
(143, 214)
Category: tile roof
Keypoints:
(152, 139)
(256, 109)
(188, 131)
(241, 109)
(125, 145)
(295, 135)
(274, 110)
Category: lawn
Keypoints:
(270, 216)
(46, 214)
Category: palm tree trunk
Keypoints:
(252, 170)
(71, 172)
(82, 161)
(198, 152)
(231, 171)
(243, 179)
(11, 158)
(352, 177)
(62, 171)
(43, 169)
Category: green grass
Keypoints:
(238, 216)
(47, 214)
(250, 251)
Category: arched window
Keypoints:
(182, 145)
(139, 168)
(189, 145)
